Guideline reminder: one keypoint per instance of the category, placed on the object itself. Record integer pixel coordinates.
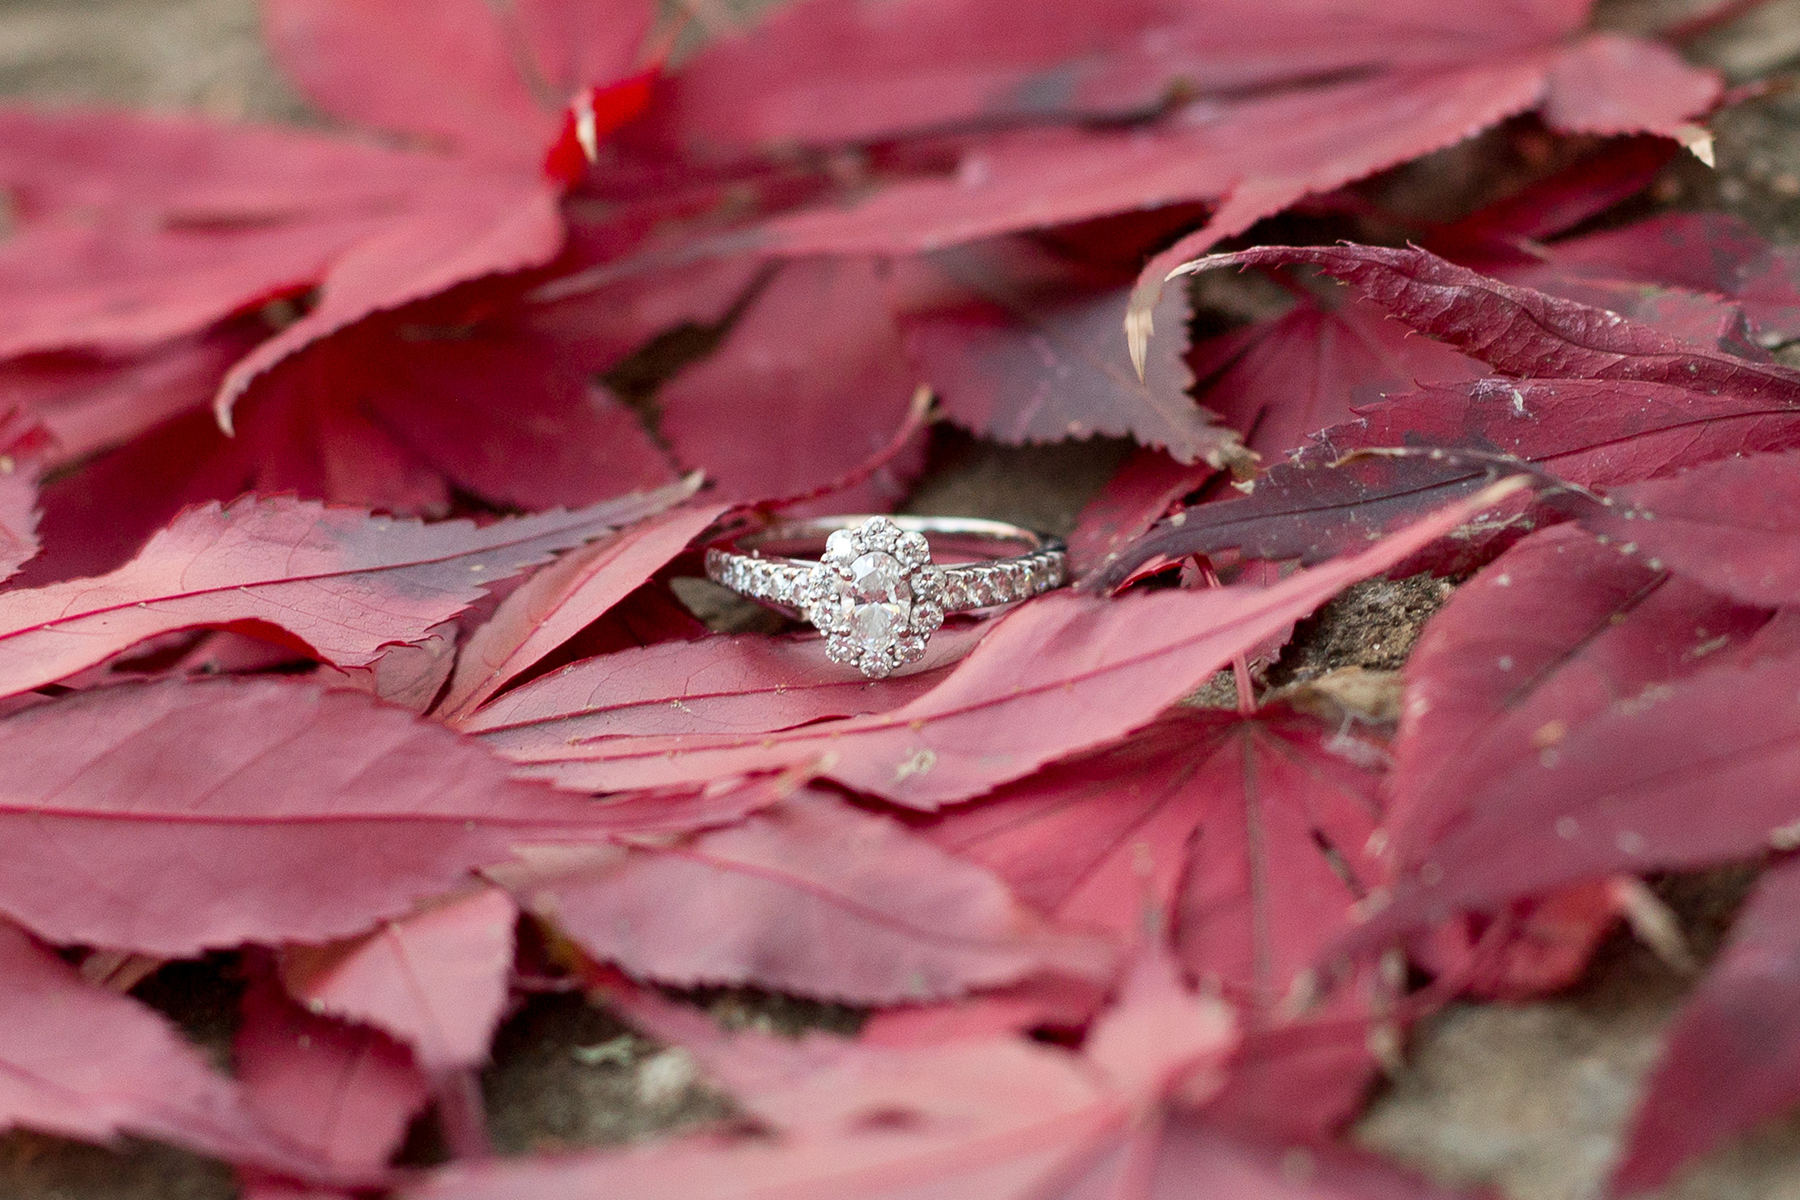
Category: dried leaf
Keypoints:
(1521, 332)
(829, 71)
(85, 1062)
(1729, 1062)
(557, 602)
(1282, 381)
(1589, 432)
(1727, 525)
(1143, 490)
(808, 384)
(344, 1092)
(1497, 675)
(743, 684)
(1020, 351)
(344, 583)
(359, 62)
(434, 979)
(19, 456)
(1601, 763)
(823, 901)
(1059, 675)
(177, 816)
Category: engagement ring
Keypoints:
(875, 592)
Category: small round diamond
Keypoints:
(841, 546)
(927, 618)
(913, 550)
(880, 533)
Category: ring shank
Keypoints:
(815, 530)
(778, 580)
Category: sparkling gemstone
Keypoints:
(841, 546)
(875, 626)
(881, 598)
(913, 550)
(879, 579)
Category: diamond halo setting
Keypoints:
(876, 596)
(875, 593)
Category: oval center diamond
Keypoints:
(881, 598)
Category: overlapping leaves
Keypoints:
(429, 728)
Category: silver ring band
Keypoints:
(875, 592)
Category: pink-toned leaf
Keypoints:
(85, 1062)
(556, 603)
(1637, 786)
(1256, 156)
(1591, 432)
(1691, 316)
(1144, 489)
(97, 517)
(811, 897)
(1500, 231)
(1300, 1082)
(500, 221)
(831, 71)
(1059, 675)
(709, 806)
(748, 683)
(1275, 1170)
(1548, 942)
(1611, 84)
(343, 582)
(1732, 1059)
(191, 170)
(409, 676)
(1279, 382)
(1521, 332)
(580, 43)
(393, 413)
(809, 383)
(343, 1092)
(143, 228)
(88, 404)
(1188, 825)
(1614, 100)
(21, 446)
(1019, 354)
(1043, 1001)
(434, 979)
(1729, 525)
(466, 392)
(176, 816)
(1247, 839)
(997, 1118)
(1709, 252)
(1005, 1120)
(821, 1083)
(1497, 671)
(365, 61)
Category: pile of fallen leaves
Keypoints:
(350, 478)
